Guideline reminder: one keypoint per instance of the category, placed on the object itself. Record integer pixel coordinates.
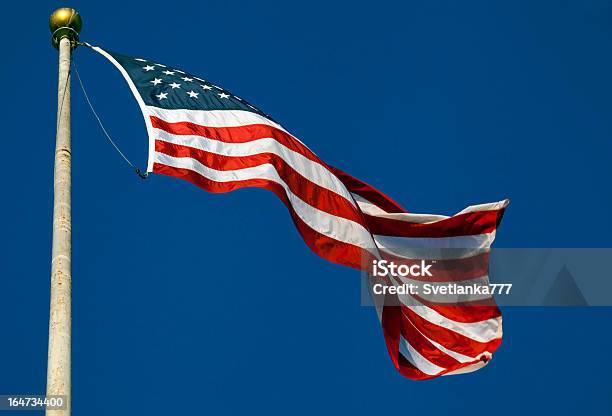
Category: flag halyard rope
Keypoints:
(139, 172)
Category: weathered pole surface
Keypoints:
(65, 24)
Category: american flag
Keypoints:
(218, 141)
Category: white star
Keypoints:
(168, 72)
(156, 81)
(175, 85)
(187, 79)
(207, 87)
(193, 94)
(140, 59)
(223, 95)
(148, 68)
(162, 95)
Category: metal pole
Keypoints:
(65, 24)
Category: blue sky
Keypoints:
(188, 302)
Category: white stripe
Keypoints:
(368, 207)
(413, 218)
(212, 118)
(313, 171)
(482, 331)
(439, 248)
(324, 223)
(416, 359)
(467, 369)
(426, 218)
(457, 356)
(485, 207)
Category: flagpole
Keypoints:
(65, 24)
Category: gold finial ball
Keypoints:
(65, 17)
(65, 23)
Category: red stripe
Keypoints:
(468, 312)
(448, 338)
(471, 223)
(407, 369)
(426, 348)
(324, 246)
(391, 323)
(309, 192)
(461, 312)
(239, 134)
(367, 191)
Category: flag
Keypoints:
(204, 134)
